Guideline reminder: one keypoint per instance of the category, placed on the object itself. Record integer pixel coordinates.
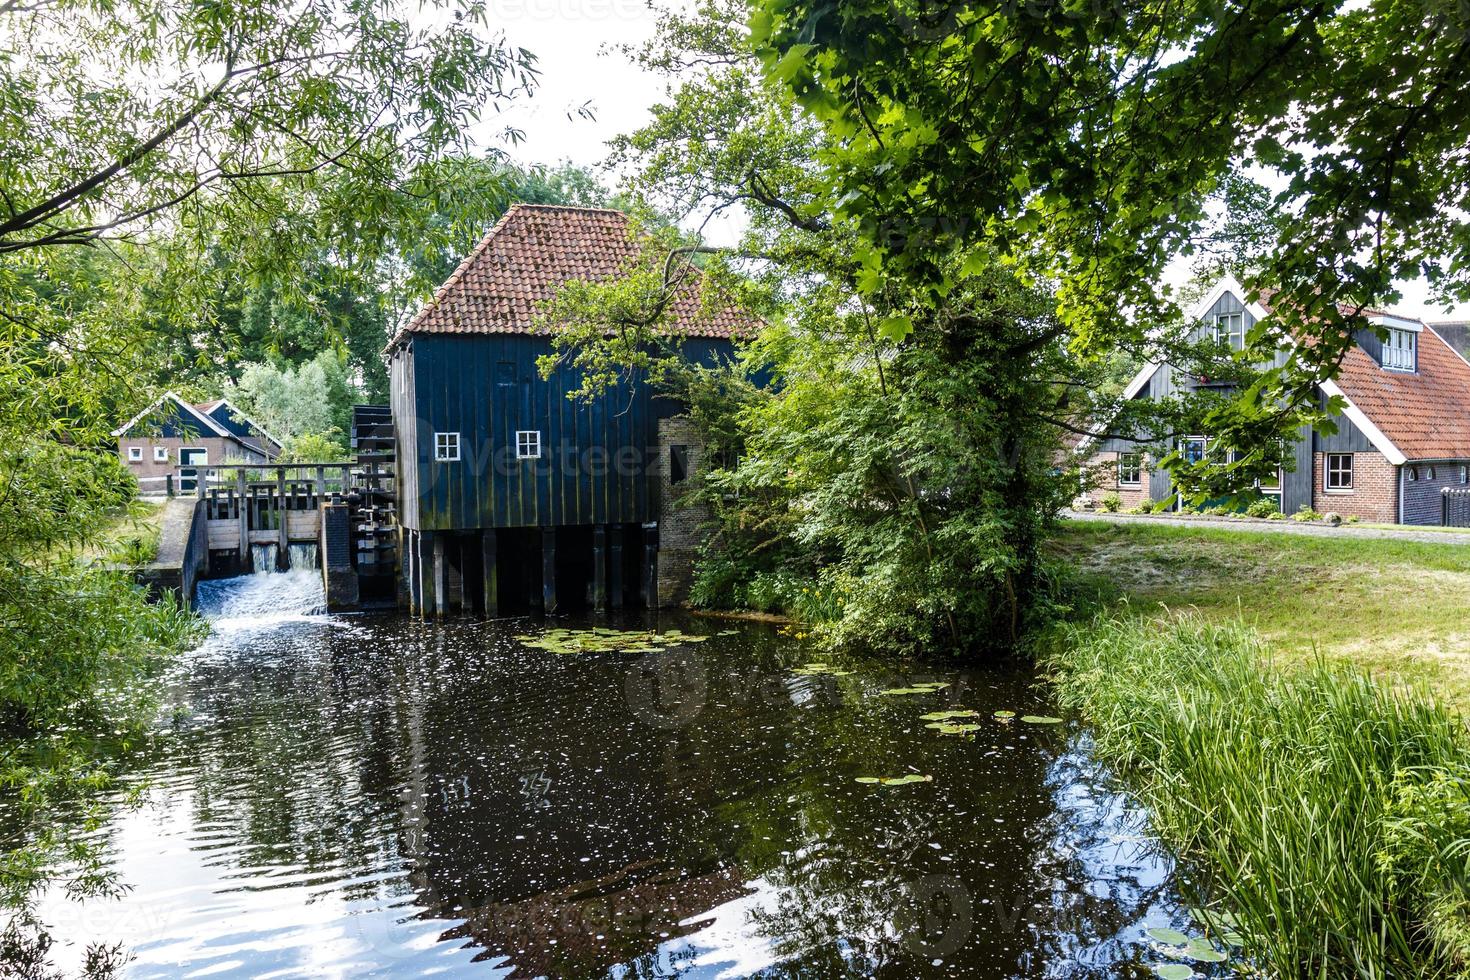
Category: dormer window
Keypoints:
(1230, 330)
(1399, 350)
(1400, 341)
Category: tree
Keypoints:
(905, 460)
(135, 138)
(1081, 143)
(314, 399)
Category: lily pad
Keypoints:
(953, 728)
(906, 690)
(1004, 715)
(1171, 936)
(1173, 971)
(912, 777)
(946, 715)
(1040, 720)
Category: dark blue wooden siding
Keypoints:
(1423, 498)
(596, 461)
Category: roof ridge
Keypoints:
(567, 207)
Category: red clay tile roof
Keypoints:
(529, 253)
(1426, 414)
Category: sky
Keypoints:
(575, 45)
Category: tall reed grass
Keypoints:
(1328, 811)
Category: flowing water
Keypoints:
(374, 796)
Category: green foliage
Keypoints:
(1086, 146)
(315, 447)
(1305, 513)
(1264, 507)
(1111, 503)
(1325, 809)
(314, 399)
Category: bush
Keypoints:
(1330, 813)
(1143, 508)
(1219, 511)
(1264, 507)
(1111, 503)
(1306, 513)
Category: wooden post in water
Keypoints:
(283, 540)
(441, 596)
(648, 587)
(243, 511)
(615, 566)
(491, 576)
(599, 568)
(424, 565)
(548, 569)
(409, 546)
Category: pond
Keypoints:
(355, 796)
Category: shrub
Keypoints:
(1276, 515)
(1143, 508)
(1264, 507)
(1111, 503)
(1329, 812)
(1306, 513)
(1219, 511)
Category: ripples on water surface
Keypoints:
(359, 796)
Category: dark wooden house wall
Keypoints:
(1423, 499)
(596, 462)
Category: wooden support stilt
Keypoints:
(548, 569)
(464, 551)
(283, 543)
(599, 568)
(615, 566)
(409, 547)
(441, 597)
(244, 513)
(424, 565)
(648, 588)
(491, 578)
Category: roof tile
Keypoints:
(530, 252)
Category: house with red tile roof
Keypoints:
(509, 493)
(1402, 439)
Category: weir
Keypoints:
(337, 520)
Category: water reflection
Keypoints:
(376, 796)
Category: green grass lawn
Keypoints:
(1400, 609)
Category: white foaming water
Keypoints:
(263, 599)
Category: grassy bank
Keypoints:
(1397, 609)
(1329, 813)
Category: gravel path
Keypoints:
(1277, 527)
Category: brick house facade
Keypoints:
(1401, 441)
(172, 433)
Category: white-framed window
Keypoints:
(528, 444)
(446, 447)
(1339, 475)
(1465, 474)
(135, 454)
(1399, 350)
(160, 454)
(1431, 475)
(1230, 330)
(1413, 474)
(1130, 469)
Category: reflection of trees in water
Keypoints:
(413, 755)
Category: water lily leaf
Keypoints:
(906, 690)
(1004, 715)
(1040, 720)
(951, 728)
(905, 780)
(1171, 936)
(1173, 971)
(943, 715)
(868, 779)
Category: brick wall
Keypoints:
(1103, 470)
(1375, 492)
(680, 526)
(148, 470)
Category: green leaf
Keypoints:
(896, 327)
